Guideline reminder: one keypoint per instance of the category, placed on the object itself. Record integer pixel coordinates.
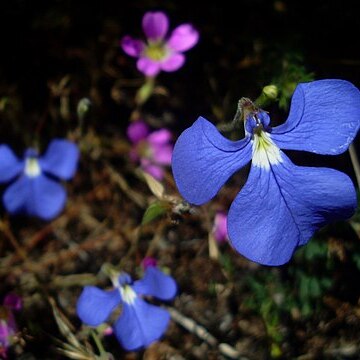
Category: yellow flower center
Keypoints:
(156, 51)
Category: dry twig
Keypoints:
(203, 334)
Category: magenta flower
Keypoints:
(8, 326)
(152, 150)
(158, 52)
(220, 227)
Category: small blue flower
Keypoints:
(281, 205)
(140, 323)
(36, 189)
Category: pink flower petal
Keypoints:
(148, 261)
(132, 47)
(183, 38)
(155, 25)
(108, 331)
(162, 154)
(220, 227)
(148, 67)
(173, 63)
(154, 170)
(4, 335)
(161, 136)
(12, 301)
(137, 131)
(12, 327)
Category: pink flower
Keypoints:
(159, 52)
(8, 326)
(220, 227)
(148, 261)
(152, 150)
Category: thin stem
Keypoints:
(201, 332)
(355, 163)
(4, 227)
(133, 246)
(154, 243)
(98, 343)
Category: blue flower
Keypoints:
(140, 323)
(35, 190)
(281, 205)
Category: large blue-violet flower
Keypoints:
(281, 205)
(140, 323)
(36, 190)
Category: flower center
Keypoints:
(156, 51)
(128, 295)
(32, 167)
(265, 152)
(144, 149)
(256, 122)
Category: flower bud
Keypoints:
(83, 107)
(271, 91)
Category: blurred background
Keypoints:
(241, 49)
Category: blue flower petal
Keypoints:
(10, 165)
(60, 159)
(324, 118)
(281, 208)
(156, 283)
(203, 160)
(94, 305)
(35, 196)
(140, 324)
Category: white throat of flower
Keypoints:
(265, 152)
(128, 295)
(32, 167)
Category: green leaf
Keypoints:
(275, 351)
(356, 260)
(304, 287)
(325, 283)
(227, 264)
(153, 212)
(314, 288)
(306, 309)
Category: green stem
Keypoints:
(355, 163)
(98, 343)
(145, 91)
